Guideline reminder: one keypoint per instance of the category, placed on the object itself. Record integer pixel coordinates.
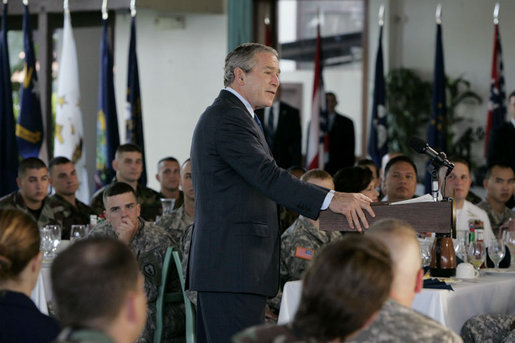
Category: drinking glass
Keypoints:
(77, 232)
(460, 247)
(46, 242)
(168, 205)
(55, 234)
(477, 253)
(496, 251)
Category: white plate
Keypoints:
(501, 271)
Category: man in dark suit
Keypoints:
(281, 124)
(341, 138)
(234, 255)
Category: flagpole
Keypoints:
(496, 14)
(132, 7)
(438, 14)
(104, 10)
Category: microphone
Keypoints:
(422, 147)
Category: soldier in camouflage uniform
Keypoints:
(168, 175)
(489, 328)
(149, 243)
(32, 196)
(300, 241)
(397, 322)
(346, 285)
(128, 164)
(63, 179)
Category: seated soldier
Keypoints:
(32, 196)
(489, 328)
(98, 291)
(149, 243)
(396, 321)
(168, 175)
(400, 180)
(342, 291)
(356, 180)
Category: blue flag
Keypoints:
(8, 145)
(437, 131)
(108, 138)
(378, 139)
(134, 121)
(29, 130)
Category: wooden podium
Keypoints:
(439, 217)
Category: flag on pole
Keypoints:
(378, 139)
(318, 138)
(268, 32)
(8, 145)
(69, 134)
(496, 104)
(29, 129)
(108, 138)
(134, 121)
(437, 131)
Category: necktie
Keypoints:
(256, 119)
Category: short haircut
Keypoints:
(30, 163)
(396, 159)
(365, 162)
(347, 282)
(184, 163)
(128, 147)
(243, 56)
(58, 160)
(117, 188)
(90, 280)
(330, 94)
(167, 159)
(352, 179)
(296, 168)
(316, 174)
(498, 165)
(460, 159)
(19, 242)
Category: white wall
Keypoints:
(181, 72)
(409, 41)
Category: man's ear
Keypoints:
(419, 284)
(115, 165)
(239, 76)
(485, 183)
(18, 182)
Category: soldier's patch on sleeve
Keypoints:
(306, 254)
(150, 266)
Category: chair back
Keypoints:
(188, 306)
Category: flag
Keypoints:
(437, 131)
(268, 32)
(29, 129)
(69, 134)
(496, 104)
(378, 139)
(8, 145)
(318, 138)
(134, 121)
(108, 138)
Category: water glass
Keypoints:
(77, 232)
(460, 246)
(46, 242)
(496, 251)
(167, 205)
(55, 231)
(477, 253)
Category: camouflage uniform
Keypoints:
(496, 219)
(185, 250)
(271, 334)
(146, 197)
(51, 213)
(69, 335)
(397, 323)
(286, 218)
(299, 243)
(178, 202)
(175, 223)
(72, 215)
(489, 328)
(149, 245)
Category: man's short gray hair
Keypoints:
(243, 57)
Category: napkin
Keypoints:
(436, 284)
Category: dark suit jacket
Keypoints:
(501, 148)
(286, 146)
(341, 144)
(235, 241)
(21, 321)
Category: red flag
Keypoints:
(318, 139)
(496, 105)
(268, 32)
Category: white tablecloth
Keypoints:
(42, 293)
(487, 294)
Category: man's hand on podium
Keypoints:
(352, 205)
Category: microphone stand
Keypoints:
(437, 162)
